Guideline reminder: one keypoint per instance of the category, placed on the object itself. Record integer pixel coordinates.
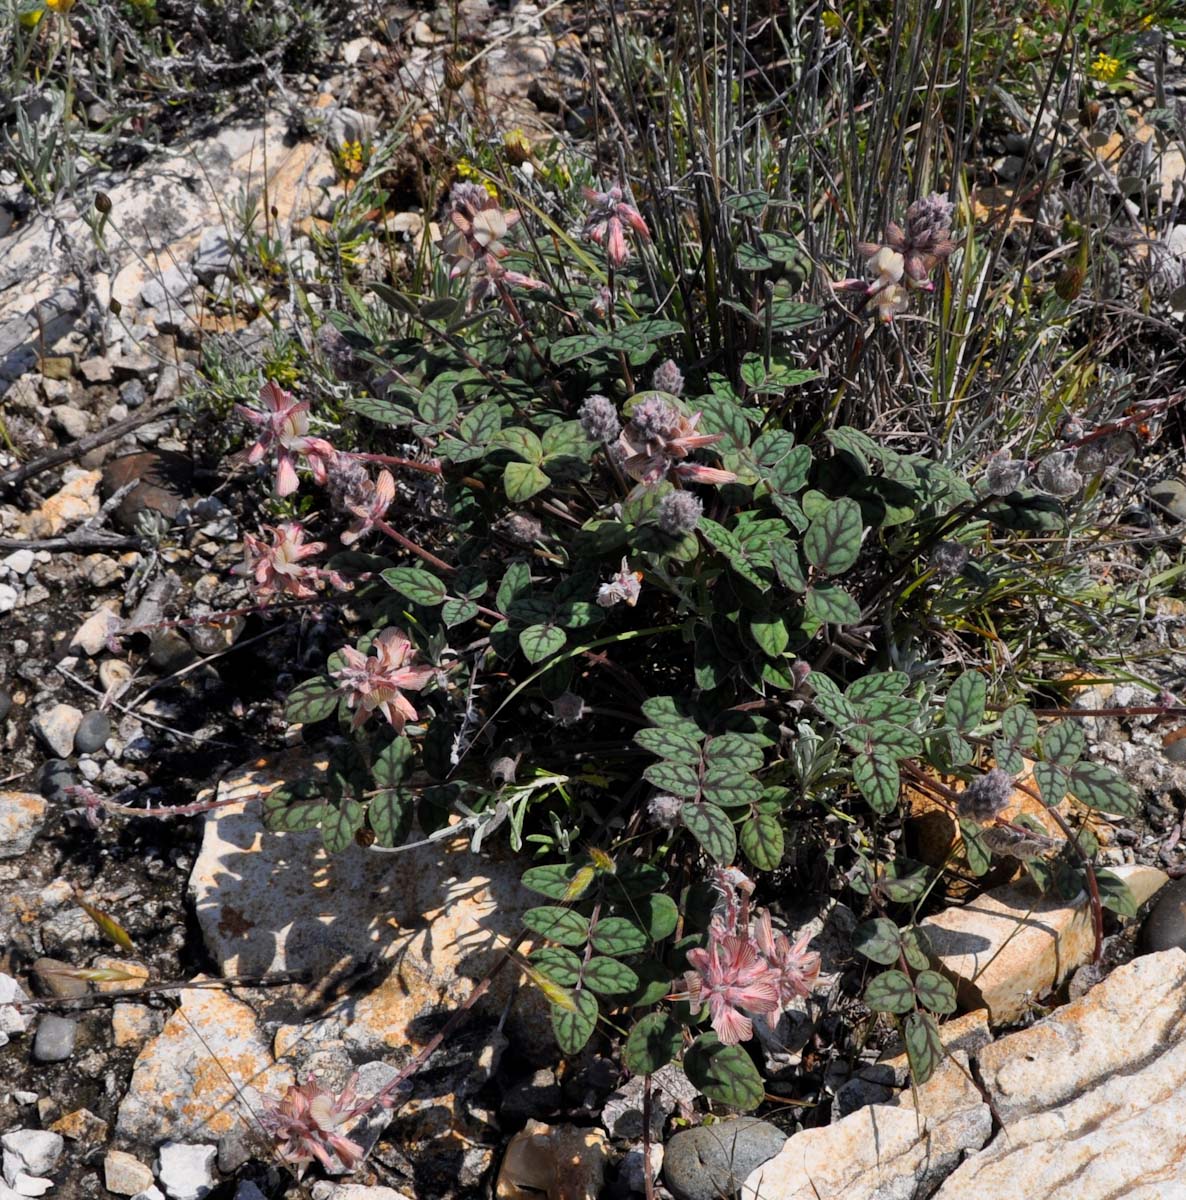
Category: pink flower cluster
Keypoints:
(306, 1123)
(657, 440)
(475, 246)
(608, 219)
(284, 428)
(745, 972)
(376, 682)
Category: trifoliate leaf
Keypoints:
(558, 924)
(574, 1026)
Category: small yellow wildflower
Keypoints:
(833, 22)
(62, 7)
(31, 18)
(517, 146)
(1147, 22)
(1105, 68)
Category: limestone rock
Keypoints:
(1093, 1098)
(184, 1087)
(81, 1125)
(73, 501)
(57, 726)
(124, 1174)
(435, 917)
(12, 1019)
(187, 1172)
(21, 816)
(882, 1151)
(711, 1160)
(91, 636)
(33, 1151)
(1011, 944)
(562, 1162)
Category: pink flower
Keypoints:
(284, 427)
(609, 214)
(475, 245)
(376, 682)
(795, 967)
(656, 440)
(305, 1124)
(735, 980)
(371, 511)
(276, 568)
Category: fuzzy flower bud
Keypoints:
(679, 513)
(668, 378)
(664, 810)
(655, 419)
(1003, 475)
(1057, 474)
(986, 796)
(948, 559)
(599, 419)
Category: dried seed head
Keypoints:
(679, 513)
(1057, 475)
(928, 220)
(668, 378)
(1003, 475)
(655, 420)
(599, 419)
(568, 708)
(949, 559)
(986, 796)
(664, 810)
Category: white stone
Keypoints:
(19, 562)
(91, 636)
(279, 901)
(186, 1172)
(57, 726)
(152, 1193)
(8, 597)
(34, 1151)
(22, 814)
(1093, 1098)
(31, 1185)
(203, 1075)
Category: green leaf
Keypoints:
(914, 947)
(723, 784)
(893, 740)
(579, 345)
(314, 700)
(750, 258)
(935, 992)
(731, 547)
(667, 713)
(553, 880)
(832, 542)
(457, 612)
(879, 685)
(1064, 743)
(789, 475)
(653, 1042)
(559, 965)
(680, 779)
(654, 983)
(382, 411)
(340, 824)
(710, 826)
(1116, 894)
(964, 707)
(724, 1073)
(748, 204)
(437, 407)
(541, 641)
(522, 481)
(1101, 788)
(1053, 783)
(785, 557)
(558, 924)
(618, 937)
(878, 940)
(608, 977)
(832, 605)
(907, 888)
(389, 815)
(891, 991)
(735, 750)
(877, 776)
(924, 1048)
(856, 443)
(420, 587)
(574, 1027)
(976, 850)
(657, 914)
(762, 840)
(481, 424)
(293, 808)
(769, 630)
(670, 744)
(392, 763)
(1019, 726)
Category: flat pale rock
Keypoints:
(22, 815)
(73, 502)
(433, 918)
(91, 636)
(1093, 1098)
(56, 726)
(1010, 945)
(124, 1174)
(189, 1088)
(882, 1151)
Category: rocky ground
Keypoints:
(113, 686)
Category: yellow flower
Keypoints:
(60, 6)
(1105, 68)
(833, 22)
(32, 18)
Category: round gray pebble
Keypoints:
(714, 1160)
(92, 733)
(56, 776)
(55, 1038)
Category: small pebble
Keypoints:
(169, 651)
(1165, 926)
(47, 980)
(55, 1038)
(56, 776)
(57, 726)
(186, 1172)
(92, 733)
